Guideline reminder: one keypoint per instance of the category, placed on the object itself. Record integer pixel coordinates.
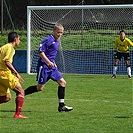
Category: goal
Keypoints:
(87, 43)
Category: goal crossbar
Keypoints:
(80, 7)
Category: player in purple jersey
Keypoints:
(47, 69)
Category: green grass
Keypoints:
(72, 40)
(101, 105)
(23, 39)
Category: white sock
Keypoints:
(129, 71)
(114, 69)
(61, 100)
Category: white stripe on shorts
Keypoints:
(39, 73)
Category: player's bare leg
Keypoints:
(6, 98)
(61, 94)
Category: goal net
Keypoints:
(89, 36)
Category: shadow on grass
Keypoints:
(5, 116)
(12, 111)
(122, 117)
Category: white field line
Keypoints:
(86, 100)
(104, 101)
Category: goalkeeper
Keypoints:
(47, 68)
(121, 49)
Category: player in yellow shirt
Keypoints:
(8, 80)
(121, 49)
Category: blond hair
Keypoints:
(58, 26)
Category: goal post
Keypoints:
(87, 44)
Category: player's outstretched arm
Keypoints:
(130, 42)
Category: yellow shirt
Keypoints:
(6, 54)
(122, 46)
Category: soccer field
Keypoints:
(100, 105)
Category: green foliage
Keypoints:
(3, 40)
(23, 39)
(101, 105)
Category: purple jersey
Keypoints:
(50, 47)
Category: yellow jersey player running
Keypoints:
(7, 79)
(121, 49)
